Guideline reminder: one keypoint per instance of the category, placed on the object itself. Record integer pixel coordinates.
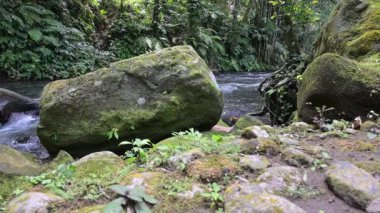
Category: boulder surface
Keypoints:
(146, 97)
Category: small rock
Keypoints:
(281, 178)
(246, 146)
(300, 127)
(33, 202)
(374, 206)
(265, 146)
(212, 169)
(98, 163)
(247, 121)
(350, 131)
(368, 125)
(254, 162)
(284, 139)
(296, 157)
(259, 203)
(355, 186)
(254, 132)
(183, 159)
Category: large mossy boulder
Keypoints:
(149, 96)
(345, 72)
(351, 88)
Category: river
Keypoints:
(240, 95)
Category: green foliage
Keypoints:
(138, 151)
(130, 196)
(56, 180)
(320, 164)
(35, 44)
(113, 133)
(214, 196)
(195, 134)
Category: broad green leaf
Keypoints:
(141, 207)
(35, 34)
(149, 199)
(115, 206)
(119, 189)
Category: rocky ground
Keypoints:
(254, 168)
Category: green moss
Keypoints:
(164, 187)
(90, 209)
(364, 45)
(9, 184)
(372, 167)
(268, 146)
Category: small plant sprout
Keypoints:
(113, 133)
(319, 164)
(213, 196)
(139, 149)
(192, 133)
(130, 197)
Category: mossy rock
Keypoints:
(213, 168)
(100, 165)
(167, 188)
(147, 97)
(368, 125)
(32, 202)
(296, 157)
(14, 162)
(355, 186)
(353, 30)
(247, 121)
(344, 84)
(90, 209)
(261, 202)
(267, 146)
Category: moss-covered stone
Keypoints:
(32, 202)
(355, 186)
(15, 162)
(213, 168)
(352, 31)
(368, 125)
(90, 209)
(247, 121)
(262, 202)
(168, 188)
(99, 164)
(296, 157)
(149, 96)
(344, 84)
(254, 163)
(372, 167)
(267, 146)
(280, 178)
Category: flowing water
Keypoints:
(240, 96)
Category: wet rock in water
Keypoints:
(32, 202)
(181, 161)
(296, 157)
(149, 96)
(254, 132)
(259, 203)
(355, 186)
(374, 206)
(280, 178)
(11, 102)
(99, 164)
(212, 169)
(247, 121)
(14, 162)
(254, 163)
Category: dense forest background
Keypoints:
(64, 38)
